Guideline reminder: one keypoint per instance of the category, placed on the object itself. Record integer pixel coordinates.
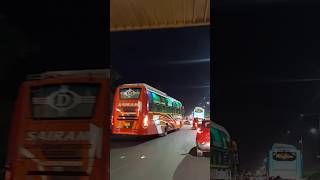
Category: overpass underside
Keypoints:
(126, 15)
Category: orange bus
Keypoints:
(60, 127)
(140, 109)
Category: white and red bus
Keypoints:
(60, 127)
(140, 109)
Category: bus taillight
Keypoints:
(145, 121)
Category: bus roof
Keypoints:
(87, 72)
(284, 146)
(221, 128)
(199, 108)
(152, 89)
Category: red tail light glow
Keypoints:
(199, 131)
(112, 121)
(145, 121)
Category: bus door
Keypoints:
(59, 130)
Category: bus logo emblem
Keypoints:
(63, 99)
(129, 93)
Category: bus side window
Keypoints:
(149, 97)
(163, 104)
(152, 105)
(216, 137)
(224, 141)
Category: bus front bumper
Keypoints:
(204, 146)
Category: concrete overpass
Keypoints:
(128, 15)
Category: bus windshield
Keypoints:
(284, 156)
(130, 93)
(63, 101)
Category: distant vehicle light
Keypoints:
(313, 131)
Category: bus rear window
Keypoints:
(63, 101)
(284, 156)
(130, 93)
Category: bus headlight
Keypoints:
(145, 121)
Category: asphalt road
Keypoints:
(159, 158)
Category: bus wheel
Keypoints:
(165, 131)
(199, 152)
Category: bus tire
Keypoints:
(165, 133)
(199, 153)
(166, 129)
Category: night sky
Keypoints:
(176, 61)
(258, 47)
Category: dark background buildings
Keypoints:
(265, 53)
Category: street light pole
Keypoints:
(301, 142)
(318, 131)
(302, 158)
(318, 122)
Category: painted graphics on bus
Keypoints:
(140, 109)
(224, 154)
(284, 161)
(60, 128)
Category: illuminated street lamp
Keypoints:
(313, 130)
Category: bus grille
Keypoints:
(66, 175)
(129, 109)
(57, 173)
(62, 151)
(128, 117)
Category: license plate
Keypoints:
(127, 124)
